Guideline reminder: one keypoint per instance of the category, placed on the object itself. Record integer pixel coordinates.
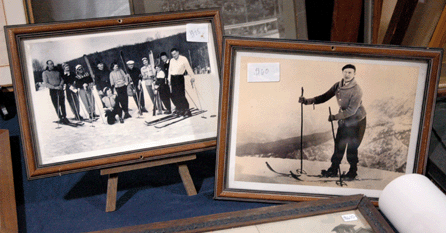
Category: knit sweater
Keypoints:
(349, 98)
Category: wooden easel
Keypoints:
(112, 185)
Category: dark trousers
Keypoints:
(164, 92)
(139, 99)
(179, 93)
(122, 98)
(73, 101)
(58, 99)
(348, 137)
(111, 114)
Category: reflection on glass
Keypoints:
(59, 10)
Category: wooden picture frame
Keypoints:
(439, 40)
(55, 11)
(263, 127)
(399, 22)
(170, 138)
(302, 217)
(8, 211)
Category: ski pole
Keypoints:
(198, 96)
(301, 133)
(332, 127)
(191, 99)
(139, 99)
(58, 111)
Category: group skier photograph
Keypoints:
(118, 91)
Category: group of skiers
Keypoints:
(163, 81)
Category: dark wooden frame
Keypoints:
(268, 215)
(231, 45)
(14, 34)
(29, 12)
(399, 22)
(8, 211)
(439, 40)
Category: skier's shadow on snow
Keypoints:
(166, 177)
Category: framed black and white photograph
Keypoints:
(119, 90)
(303, 120)
(60, 10)
(248, 18)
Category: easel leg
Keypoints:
(112, 190)
(187, 179)
(112, 185)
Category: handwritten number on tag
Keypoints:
(261, 71)
(195, 33)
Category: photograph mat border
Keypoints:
(233, 184)
(38, 130)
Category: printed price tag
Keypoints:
(263, 72)
(349, 217)
(197, 32)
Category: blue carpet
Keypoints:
(76, 202)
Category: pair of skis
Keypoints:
(72, 124)
(172, 119)
(339, 181)
(296, 176)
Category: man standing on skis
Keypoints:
(177, 68)
(54, 82)
(136, 79)
(351, 120)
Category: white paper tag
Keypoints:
(4, 110)
(349, 217)
(197, 32)
(263, 72)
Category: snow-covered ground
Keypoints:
(67, 143)
(252, 169)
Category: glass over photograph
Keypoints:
(105, 93)
(323, 124)
(247, 18)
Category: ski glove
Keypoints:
(332, 118)
(305, 101)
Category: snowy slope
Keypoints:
(384, 146)
(252, 169)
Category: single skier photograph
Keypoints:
(322, 124)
